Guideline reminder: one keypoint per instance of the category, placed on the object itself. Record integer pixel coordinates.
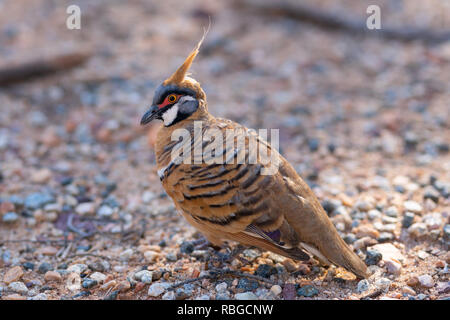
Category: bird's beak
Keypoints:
(150, 115)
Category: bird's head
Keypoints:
(178, 97)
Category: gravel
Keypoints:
(83, 214)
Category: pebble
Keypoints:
(156, 289)
(186, 247)
(265, 270)
(52, 276)
(373, 214)
(221, 287)
(393, 267)
(366, 231)
(13, 275)
(363, 286)
(100, 265)
(77, 268)
(85, 208)
(276, 290)
(412, 206)
(41, 176)
(431, 193)
(408, 290)
(14, 296)
(251, 254)
(364, 242)
(408, 219)
(307, 291)
(38, 200)
(44, 267)
(144, 276)
(126, 255)
(247, 284)
(204, 297)
(123, 286)
(426, 281)
(28, 265)
(89, 283)
(98, 276)
(392, 212)
(73, 282)
(105, 211)
(170, 295)
(446, 230)
(18, 287)
(383, 284)
(246, 296)
(39, 296)
(417, 230)
(372, 257)
(388, 251)
(10, 217)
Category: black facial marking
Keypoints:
(163, 91)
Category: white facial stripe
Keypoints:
(170, 115)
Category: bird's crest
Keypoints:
(178, 76)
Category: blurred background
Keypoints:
(363, 114)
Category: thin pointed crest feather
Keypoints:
(178, 76)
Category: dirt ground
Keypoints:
(363, 119)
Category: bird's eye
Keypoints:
(172, 98)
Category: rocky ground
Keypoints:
(364, 120)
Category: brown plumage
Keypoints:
(235, 201)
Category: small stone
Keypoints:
(169, 296)
(151, 256)
(73, 282)
(363, 286)
(447, 232)
(385, 237)
(89, 283)
(417, 230)
(431, 193)
(126, 255)
(187, 247)
(47, 251)
(246, 296)
(251, 254)
(100, 265)
(388, 252)
(44, 267)
(39, 296)
(221, 287)
(77, 268)
(85, 208)
(10, 217)
(412, 206)
(392, 212)
(383, 284)
(276, 290)
(144, 276)
(52, 276)
(247, 285)
(98, 276)
(38, 200)
(372, 257)
(13, 275)
(412, 281)
(366, 231)
(426, 281)
(156, 289)
(265, 270)
(123, 286)
(364, 242)
(408, 219)
(41, 176)
(204, 297)
(18, 287)
(408, 290)
(14, 296)
(373, 214)
(28, 265)
(289, 292)
(393, 267)
(105, 211)
(307, 291)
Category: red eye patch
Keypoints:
(170, 99)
